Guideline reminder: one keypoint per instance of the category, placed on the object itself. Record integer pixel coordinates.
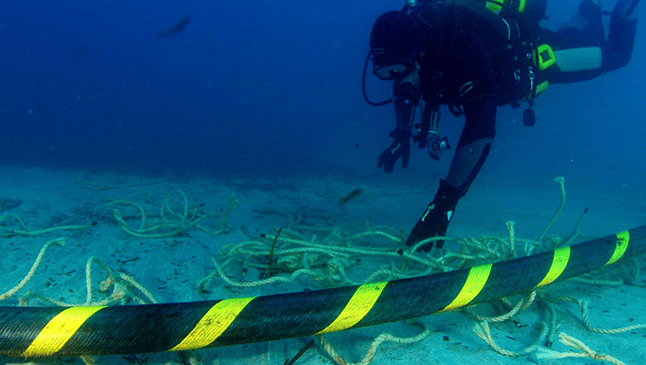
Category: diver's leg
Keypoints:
(621, 35)
(472, 151)
(467, 162)
(474, 145)
(585, 28)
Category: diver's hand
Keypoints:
(399, 148)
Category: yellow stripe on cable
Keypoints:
(359, 305)
(623, 238)
(213, 324)
(559, 262)
(59, 330)
(475, 282)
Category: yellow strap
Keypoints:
(541, 87)
(359, 305)
(494, 6)
(214, 322)
(476, 280)
(546, 56)
(59, 330)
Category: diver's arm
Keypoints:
(621, 35)
(579, 62)
(406, 97)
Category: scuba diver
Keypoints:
(476, 55)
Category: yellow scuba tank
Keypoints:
(496, 6)
(515, 21)
(533, 10)
(536, 8)
(543, 57)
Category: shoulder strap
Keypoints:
(487, 20)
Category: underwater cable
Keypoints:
(103, 330)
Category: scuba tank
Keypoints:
(513, 20)
(532, 10)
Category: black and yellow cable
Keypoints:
(54, 331)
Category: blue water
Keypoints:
(265, 87)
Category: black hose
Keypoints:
(363, 86)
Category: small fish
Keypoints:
(351, 195)
(176, 29)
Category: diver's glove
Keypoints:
(436, 218)
(399, 148)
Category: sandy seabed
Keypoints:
(172, 268)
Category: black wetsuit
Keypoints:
(474, 61)
(477, 66)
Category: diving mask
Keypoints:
(392, 65)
